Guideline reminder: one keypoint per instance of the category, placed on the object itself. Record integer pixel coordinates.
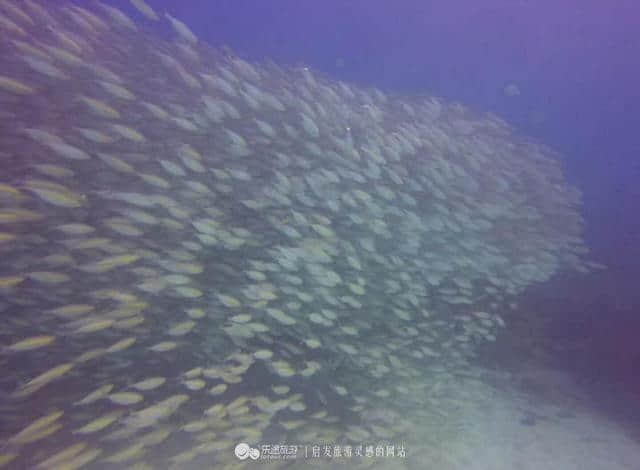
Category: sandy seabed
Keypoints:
(504, 428)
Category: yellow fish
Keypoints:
(100, 107)
(126, 398)
(14, 86)
(33, 342)
(100, 423)
(10, 281)
(33, 430)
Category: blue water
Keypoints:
(575, 63)
(566, 72)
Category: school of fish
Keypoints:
(199, 251)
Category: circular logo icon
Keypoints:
(254, 453)
(242, 451)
